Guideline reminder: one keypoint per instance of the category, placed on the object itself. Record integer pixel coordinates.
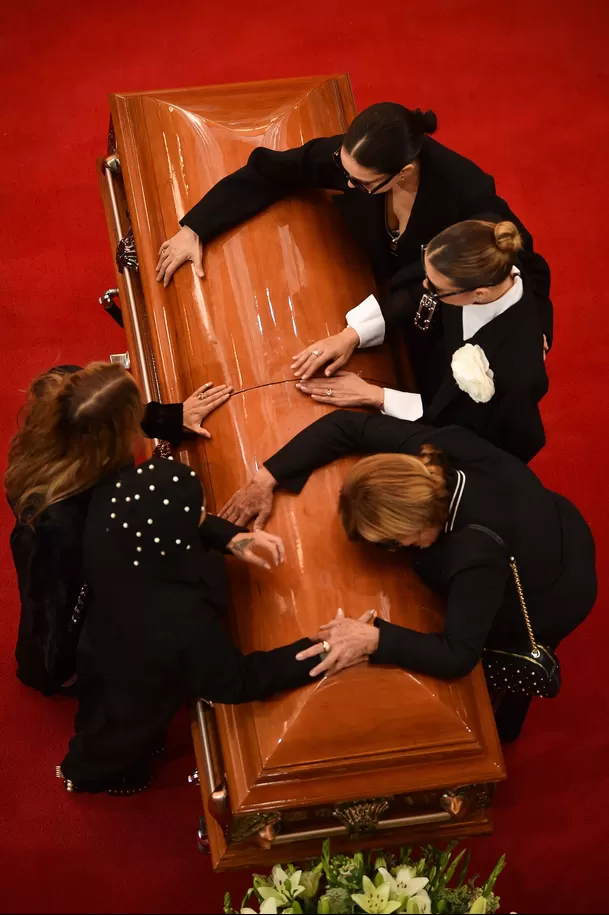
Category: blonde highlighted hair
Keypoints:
(394, 496)
(76, 427)
(475, 252)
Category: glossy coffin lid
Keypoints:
(272, 286)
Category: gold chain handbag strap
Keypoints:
(523, 606)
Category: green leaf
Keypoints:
(227, 904)
(323, 906)
(492, 880)
(465, 868)
(450, 873)
(479, 907)
(296, 908)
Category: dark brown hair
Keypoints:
(475, 252)
(387, 136)
(76, 427)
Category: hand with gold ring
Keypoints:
(201, 403)
(348, 390)
(336, 350)
(352, 642)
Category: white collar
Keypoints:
(475, 317)
(455, 502)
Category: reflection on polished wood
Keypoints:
(273, 286)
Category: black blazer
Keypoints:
(552, 543)
(513, 346)
(451, 188)
(152, 641)
(48, 562)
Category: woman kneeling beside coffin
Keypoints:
(469, 507)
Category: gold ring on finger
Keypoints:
(329, 392)
(315, 352)
(326, 646)
(200, 395)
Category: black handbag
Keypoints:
(530, 673)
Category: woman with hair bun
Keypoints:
(475, 341)
(398, 188)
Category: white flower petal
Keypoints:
(295, 879)
(362, 901)
(367, 885)
(269, 907)
(415, 885)
(423, 902)
(270, 892)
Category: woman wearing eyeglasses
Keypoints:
(474, 337)
(469, 507)
(399, 188)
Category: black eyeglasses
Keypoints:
(389, 546)
(361, 185)
(431, 298)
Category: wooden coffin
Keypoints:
(374, 755)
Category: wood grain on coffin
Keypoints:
(272, 286)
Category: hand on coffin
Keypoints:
(243, 546)
(204, 401)
(254, 500)
(336, 350)
(181, 247)
(344, 642)
(346, 389)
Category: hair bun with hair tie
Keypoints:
(425, 121)
(507, 238)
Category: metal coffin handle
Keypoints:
(214, 781)
(112, 166)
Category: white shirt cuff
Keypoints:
(402, 404)
(368, 322)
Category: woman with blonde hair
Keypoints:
(475, 513)
(474, 337)
(78, 424)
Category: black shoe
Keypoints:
(124, 784)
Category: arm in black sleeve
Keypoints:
(338, 434)
(475, 596)
(515, 424)
(216, 533)
(269, 176)
(219, 672)
(164, 421)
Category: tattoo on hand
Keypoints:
(242, 545)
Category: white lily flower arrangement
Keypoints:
(472, 372)
(392, 883)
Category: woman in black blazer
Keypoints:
(426, 487)
(153, 637)
(46, 545)
(474, 339)
(398, 188)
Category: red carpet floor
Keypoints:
(521, 88)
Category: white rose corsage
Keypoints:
(472, 372)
